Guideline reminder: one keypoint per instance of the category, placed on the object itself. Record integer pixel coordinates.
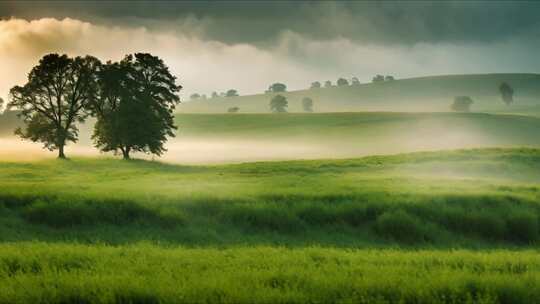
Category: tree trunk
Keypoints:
(61, 152)
(125, 152)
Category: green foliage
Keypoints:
(307, 104)
(134, 110)
(277, 88)
(279, 104)
(342, 82)
(462, 104)
(55, 98)
(507, 93)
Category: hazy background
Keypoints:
(214, 46)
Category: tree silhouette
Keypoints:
(279, 104)
(233, 110)
(315, 85)
(54, 99)
(462, 104)
(135, 106)
(507, 93)
(389, 78)
(328, 84)
(307, 104)
(231, 93)
(215, 94)
(277, 88)
(194, 96)
(355, 81)
(378, 78)
(341, 82)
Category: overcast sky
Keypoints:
(214, 46)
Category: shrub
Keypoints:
(401, 227)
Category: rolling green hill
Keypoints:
(436, 227)
(433, 93)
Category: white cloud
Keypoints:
(204, 66)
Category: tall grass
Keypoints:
(56, 273)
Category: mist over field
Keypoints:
(269, 152)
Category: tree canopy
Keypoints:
(462, 104)
(307, 104)
(328, 84)
(315, 85)
(279, 104)
(55, 98)
(231, 93)
(277, 88)
(355, 81)
(507, 93)
(341, 82)
(135, 106)
(378, 78)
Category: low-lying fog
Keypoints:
(211, 150)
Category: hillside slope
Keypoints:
(434, 93)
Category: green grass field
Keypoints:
(434, 93)
(450, 226)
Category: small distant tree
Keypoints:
(315, 85)
(355, 81)
(507, 93)
(194, 96)
(377, 79)
(341, 82)
(54, 99)
(222, 94)
(279, 104)
(389, 78)
(215, 94)
(1, 104)
(231, 93)
(277, 88)
(307, 104)
(462, 104)
(233, 110)
(328, 84)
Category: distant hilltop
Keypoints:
(432, 93)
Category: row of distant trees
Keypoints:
(133, 101)
(464, 103)
(279, 87)
(279, 104)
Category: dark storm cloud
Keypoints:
(260, 22)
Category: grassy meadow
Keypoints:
(449, 226)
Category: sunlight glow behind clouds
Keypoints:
(204, 65)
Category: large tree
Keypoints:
(278, 104)
(54, 99)
(507, 93)
(135, 106)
